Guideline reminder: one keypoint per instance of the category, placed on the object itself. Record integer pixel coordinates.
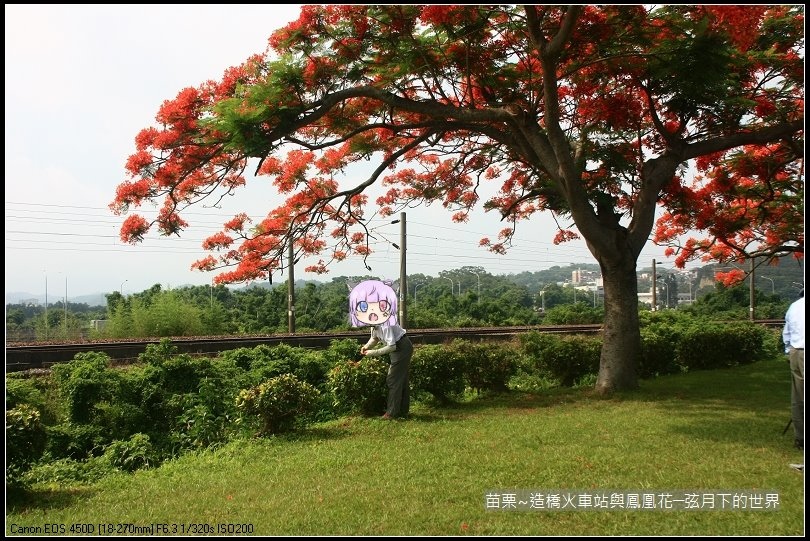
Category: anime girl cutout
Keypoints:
(372, 302)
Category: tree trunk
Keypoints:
(621, 338)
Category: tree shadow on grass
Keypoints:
(744, 404)
(431, 410)
(18, 500)
(331, 430)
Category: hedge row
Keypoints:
(88, 413)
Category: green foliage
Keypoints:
(85, 382)
(674, 340)
(118, 418)
(130, 455)
(25, 441)
(157, 313)
(179, 401)
(566, 358)
(75, 441)
(264, 362)
(340, 350)
(719, 345)
(269, 362)
(183, 373)
(173, 402)
(772, 342)
(312, 367)
(359, 386)
(27, 390)
(279, 403)
(205, 417)
(658, 352)
(660, 334)
(720, 427)
(159, 353)
(574, 314)
(438, 371)
(241, 357)
(69, 472)
(487, 366)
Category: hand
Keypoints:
(363, 350)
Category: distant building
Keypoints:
(98, 324)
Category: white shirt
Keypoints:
(793, 333)
(389, 335)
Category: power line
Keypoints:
(427, 251)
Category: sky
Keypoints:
(82, 81)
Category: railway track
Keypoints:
(21, 357)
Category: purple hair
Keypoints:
(373, 291)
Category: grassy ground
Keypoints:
(708, 432)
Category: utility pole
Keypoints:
(403, 277)
(479, 285)
(654, 287)
(751, 291)
(290, 289)
(46, 306)
(66, 310)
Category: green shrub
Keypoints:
(438, 371)
(39, 391)
(241, 357)
(204, 418)
(313, 367)
(580, 313)
(143, 386)
(750, 340)
(183, 373)
(68, 472)
(279, 403)
(84, 382)
(76, 441)
(339, 350)
(25, 442)
(359, 386)
(119, 419)
(263, 369)
(22, 391)
(658, 352)
(130, 455)
(565, 358)
(159, 353)
(772, 343)
(721, 345)
(487, 366)
(530, 383)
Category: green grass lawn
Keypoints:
(716, 431)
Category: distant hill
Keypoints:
(785, 280)
(17, 297)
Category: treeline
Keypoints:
(465, 297)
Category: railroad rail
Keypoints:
(20, 357)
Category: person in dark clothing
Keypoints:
(374, 303)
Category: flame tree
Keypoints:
(591, 113)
